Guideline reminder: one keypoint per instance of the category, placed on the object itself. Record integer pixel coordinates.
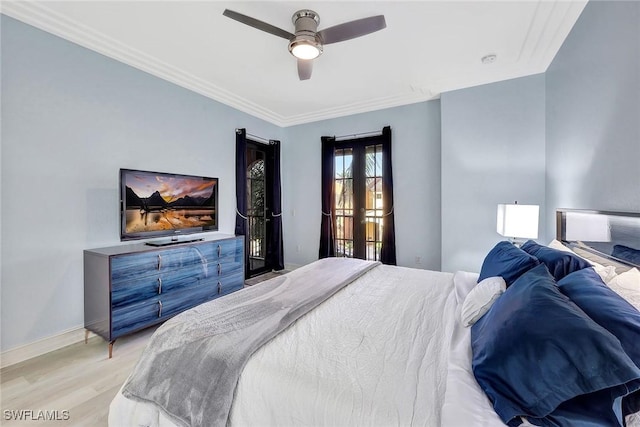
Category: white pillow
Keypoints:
(627, 285)
(481, 298)
(606, 273)
(556, 244)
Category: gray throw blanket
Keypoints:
(192, 364)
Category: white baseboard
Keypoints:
(45, 345)
(40, 347)
(290, 267)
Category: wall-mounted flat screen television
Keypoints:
(156, 204)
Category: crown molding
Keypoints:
(563, 24)
(360, 107)
(40, 16)
(539, 47)
(537, 50)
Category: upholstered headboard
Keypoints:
(613, 236)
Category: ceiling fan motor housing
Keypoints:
(306, 23)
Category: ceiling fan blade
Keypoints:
(352, 29)
(305, 66)
(255, 23)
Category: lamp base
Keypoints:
(517, 242)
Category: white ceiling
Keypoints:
(428, 47)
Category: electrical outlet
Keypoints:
(418, 260)
(298, 248)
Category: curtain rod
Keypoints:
(257, 138)
(358, 135)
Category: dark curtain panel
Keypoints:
(241, 182)
(388, 250)
(327, 236)
(276, 249)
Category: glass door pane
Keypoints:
(359, 201)
(256, 210)
(344, 202)
(374, 201)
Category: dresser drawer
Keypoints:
(226, 269)
(131, 289)
(230, 250)
(133, 316)
(141, 314)
(125, 268)
(231, 282)
(145, 287)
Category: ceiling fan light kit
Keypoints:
(307, 42)
(305, 49)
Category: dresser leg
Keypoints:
(86, 336)
(111, 348)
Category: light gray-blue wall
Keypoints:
(70, 119)
(493, 151)
(416, 179)
(593, 113)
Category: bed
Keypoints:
(344, 342)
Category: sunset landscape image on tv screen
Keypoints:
(157, 202)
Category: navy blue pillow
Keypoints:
(627, 254)
(508, 261)
(588, 410)
(536, 354)
(587, 290)
(560, 263)
(608, 309)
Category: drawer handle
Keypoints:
(159, 285)
(219, 250)
(219, 288)
(159, 261)
(160, 309)
(219, 269)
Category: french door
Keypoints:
(359, 199)
(259, 198)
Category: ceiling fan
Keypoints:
(307, 43)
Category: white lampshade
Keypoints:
(518, 221)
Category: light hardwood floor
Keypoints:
(80, 379)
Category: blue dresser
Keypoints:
(131, 287)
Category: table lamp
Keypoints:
(518, 221)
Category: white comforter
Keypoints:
(465, 402)
(377, 353)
